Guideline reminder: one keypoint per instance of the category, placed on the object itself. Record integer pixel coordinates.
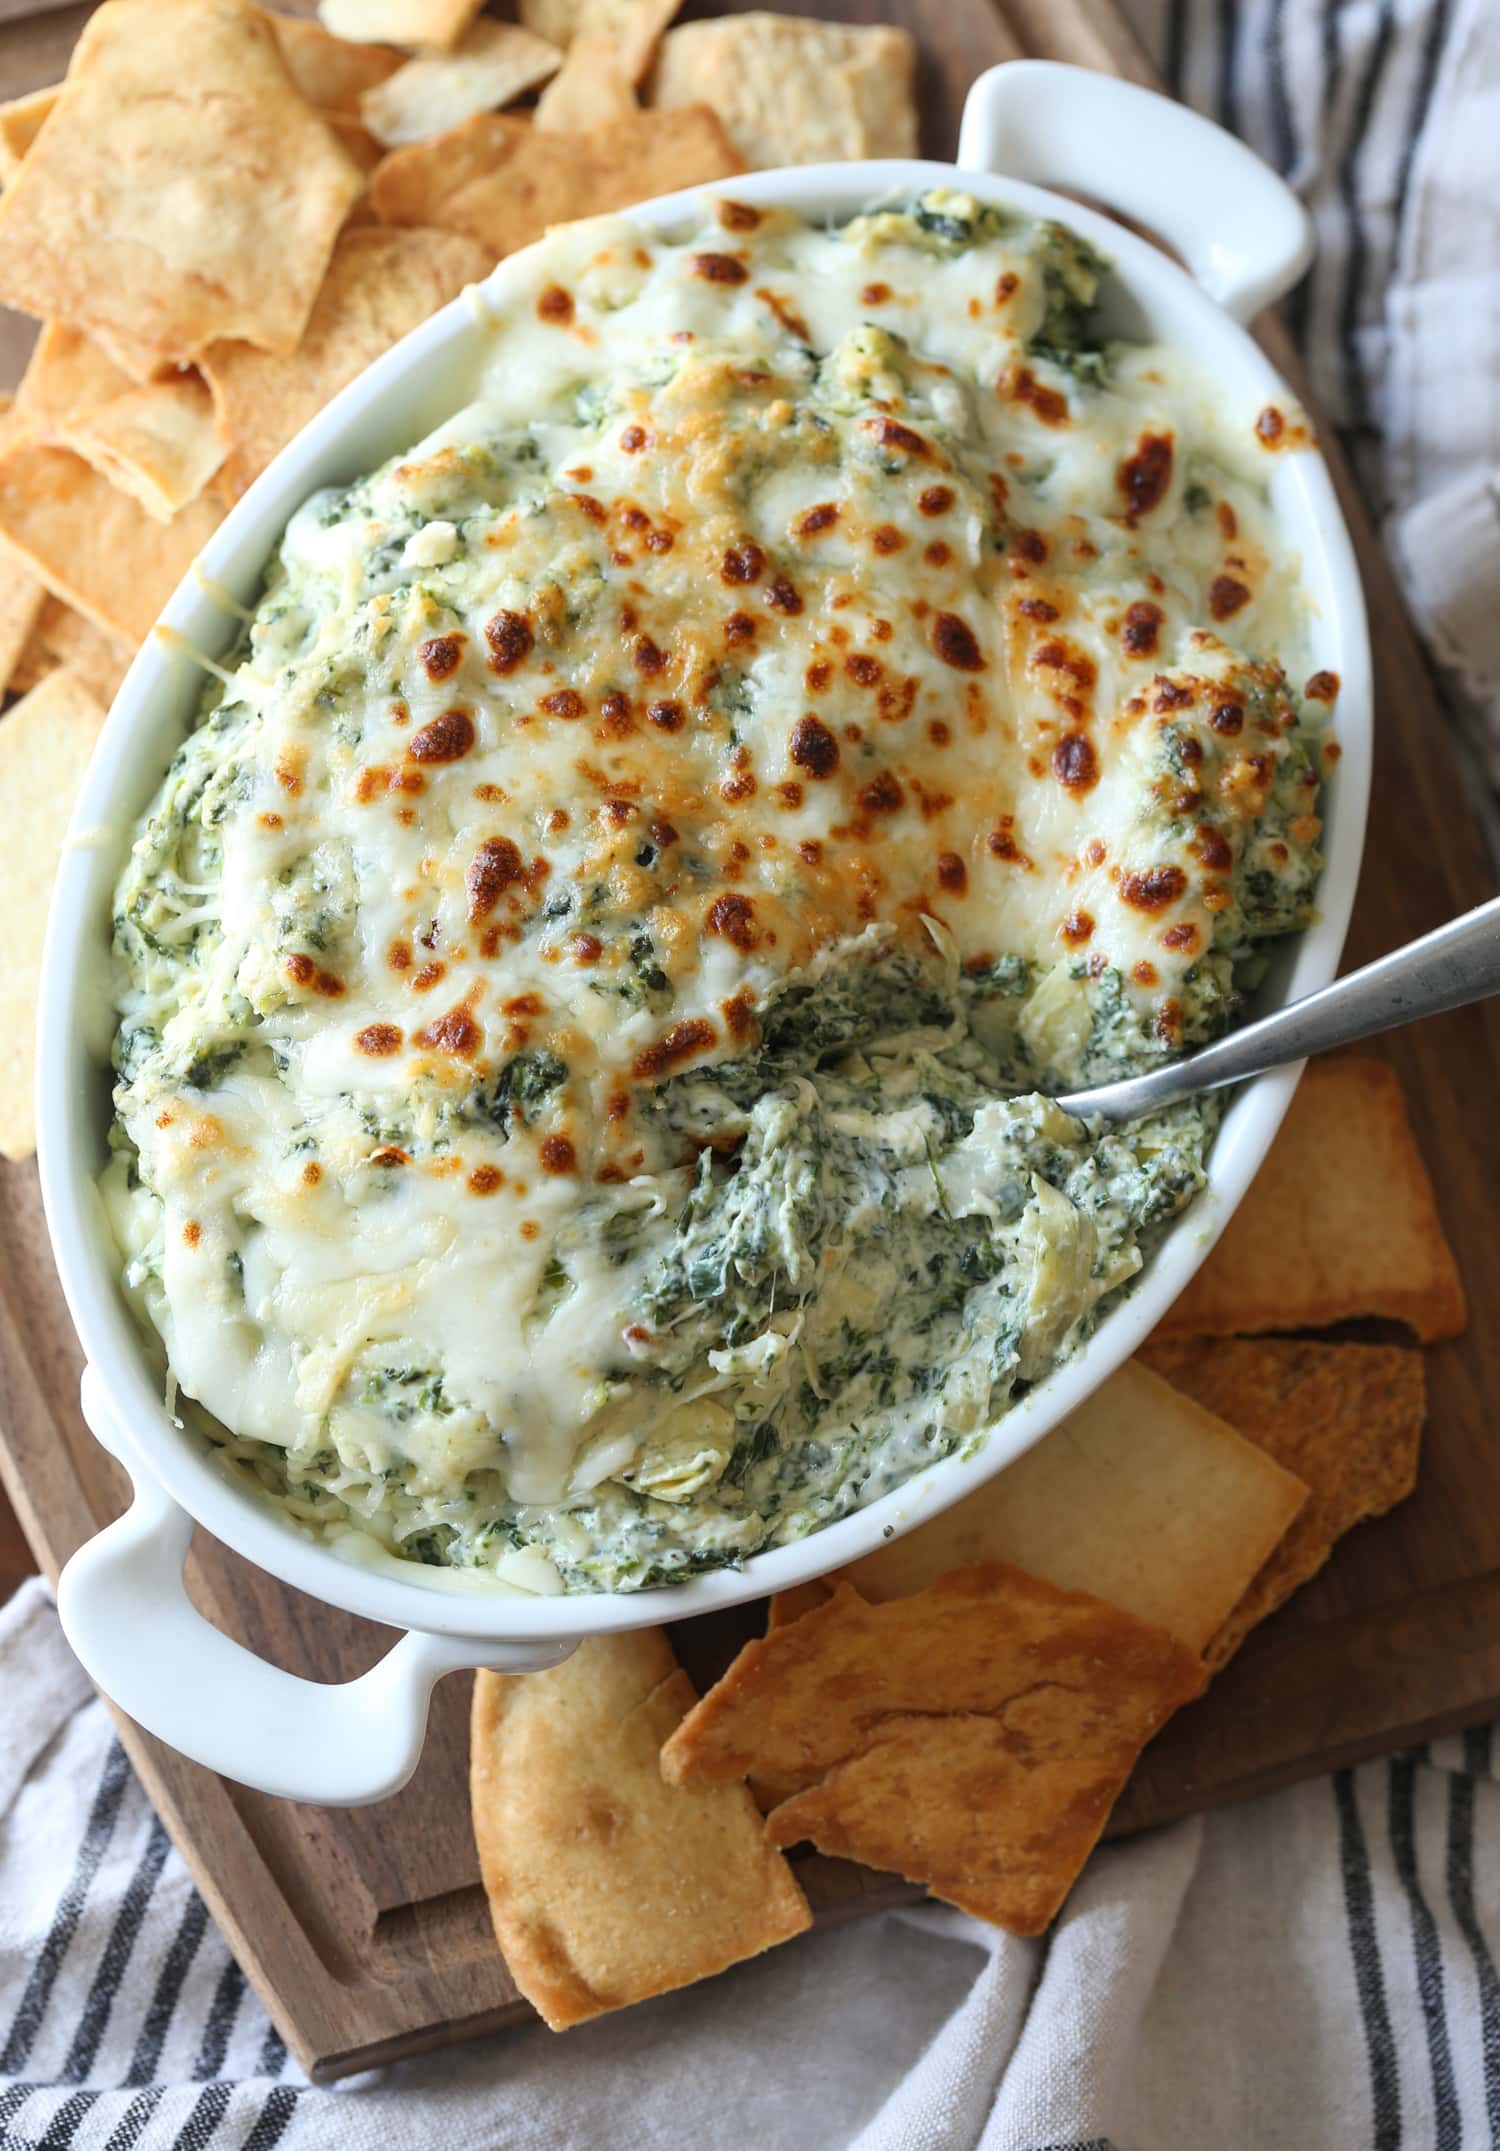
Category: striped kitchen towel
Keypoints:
(1385, 116)
(1313, 1971)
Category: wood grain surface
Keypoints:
(365, 1933)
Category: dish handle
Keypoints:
(128, 1617)
(1242, 231)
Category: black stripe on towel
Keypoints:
(198, 2131)
(116, 1956)
(272, 2053)
(1176, 46)
(1461, 1897)
(1283, 131)
(1228, 92)
(1428, 1952)
(1356, 403)
(1364, 1951)
(12, 2099)
(270, 2123)
(132, 2123)
(222, 2012)
(169, 1983)
(67, 2121)
(1432, 52)
(96, 1835)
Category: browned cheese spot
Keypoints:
(1049, 404)
(883, 794)
(683, 1042)
(1145, 476)
(1074, 762)
(302, 971)
(719, 268)
(1153, 889)
(1226, 596)
(495, 867)
(1214, 851)
(813, 746)
(743, 563)
(1270, 427)
(454, 1032)
(446, 739)
(1142, 628)
(510, 639)
(892, 434)
(379, 1040)
(441, 655)
(953, 640)
(732, 918)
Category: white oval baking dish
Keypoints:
(1245, 239)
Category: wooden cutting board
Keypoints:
(365, 1932)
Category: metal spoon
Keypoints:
(1448, 968)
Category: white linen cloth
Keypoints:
(1308, 1972)
(1313, 1971)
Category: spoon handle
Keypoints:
(1448, 968)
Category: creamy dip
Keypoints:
(586, 981)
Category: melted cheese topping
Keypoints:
(800, 621)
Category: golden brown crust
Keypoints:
(1341, 1220)
(606, 1885)
(1346, 1418)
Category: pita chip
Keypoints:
(794, 91)
(1141, 1496)
(973, 1737)
(63, 637)
(45, 744)
(1346, 1418)
(593, 87)
(66, 377)
(809, 1695)
(496, 63)
(555, 20)
(380, 284)
(413, 185)
(607, 1885)
(429, 24)
(551, 179)
(22, 598)
(1341, 1220)
(92, 545)
(182, 190)
(157, 443)
(331, 73)
(21, 121)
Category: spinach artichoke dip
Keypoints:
(590, 982)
